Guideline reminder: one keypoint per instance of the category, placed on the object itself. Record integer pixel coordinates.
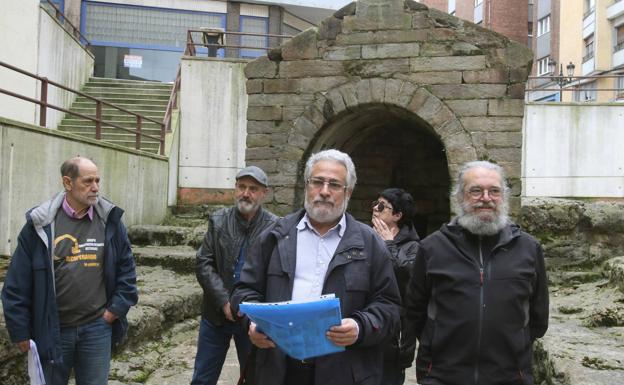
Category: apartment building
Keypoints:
(511, 18)
(583, 38)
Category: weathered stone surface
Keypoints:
(425, 78)
(264, 113)
(505, 154)
(179, 258)
(261, 153)
(262, 67)
(378, 14)
(279, 86)
(258, 140)
(389, 50)
(382, 37)
(469, 91)
(504, 139)
(491, 75)
(279, 100)
(376, 67)
(310, 68)
(290, 113)
(253, 86)
(614, 270)
(351, 52)
(605, 217)
(260, 127)
(330, 28)
(158, 235)
(447, 63)
(302, 46)
(468, 107)
(312, 85)
(436, 49)
(506, 107)
(347, 10)
(492, 123)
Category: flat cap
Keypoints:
(256, 173)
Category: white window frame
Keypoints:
(542, 66)
(619, 84)
(478, 2)
(451, 7)
(543, 25)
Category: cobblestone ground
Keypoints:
(170, 361)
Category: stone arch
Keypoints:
(462, 84)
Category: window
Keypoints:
(542, 66)
(530, 39)
(589, 6)
(619, 38)
(478, 2)
(451, 7)
(543, 25)
(619, 84)
(586, 92)
(588, 51)
(253, 24)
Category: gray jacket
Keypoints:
(360, 274)
(217, 256)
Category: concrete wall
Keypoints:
(212, 125)
(30, 158)
(573, 150)
(36, 42)
(19, 21)
(61, 59)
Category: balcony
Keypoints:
(618, 54)
(615, 10)
(589, 23)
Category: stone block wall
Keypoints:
(449, 79)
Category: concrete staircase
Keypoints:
(145, 98)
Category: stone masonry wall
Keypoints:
(463, 82)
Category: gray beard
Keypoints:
(323, 215)
(479, 226)
(246, 208)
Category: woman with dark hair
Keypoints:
(392, 220)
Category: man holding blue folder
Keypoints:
(323, 250)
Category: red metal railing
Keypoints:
(74, 30)
(99, 103)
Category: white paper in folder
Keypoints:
(35, 372)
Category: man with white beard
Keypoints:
(220, 258)
(323, 250)
(478, 296)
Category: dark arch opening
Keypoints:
(391, 147)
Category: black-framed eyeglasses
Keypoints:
(319, 183)
(478, 192)
(379, 206)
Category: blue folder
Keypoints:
(298, 328)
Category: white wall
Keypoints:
(573, 150)
(19, 21)
(30, 159)
(213, 120)
(63, 60)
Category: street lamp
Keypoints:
(560, 79)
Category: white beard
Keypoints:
(323, 213)
(483, 224)
(247, 208)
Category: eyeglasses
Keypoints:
(318, 183)
(379, 206)
(478, 192)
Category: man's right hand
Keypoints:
(227, 311)
(23, 346)
(259, 339)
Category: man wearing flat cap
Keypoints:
(219, 262)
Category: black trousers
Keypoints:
(299, 372)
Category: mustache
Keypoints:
(323, 200)
(480, 205)
(243, 199)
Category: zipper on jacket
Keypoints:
(481, 306)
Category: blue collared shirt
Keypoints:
(314, 252)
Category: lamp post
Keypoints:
(560, 79)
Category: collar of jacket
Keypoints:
(406, 233)
(242, 222)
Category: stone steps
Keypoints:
(180, 259)
(155, 235)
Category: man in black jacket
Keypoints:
(478, 295)
(322, 250)
(219, 262)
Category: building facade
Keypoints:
(509, 17)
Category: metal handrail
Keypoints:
(44, 105)
(75, 30)
(574, 84)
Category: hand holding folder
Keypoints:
(298, 328)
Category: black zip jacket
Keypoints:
(399, 351)
(217, 256)
(477, 304)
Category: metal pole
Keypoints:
(138, 133)
(98, 122)
(44, 102)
